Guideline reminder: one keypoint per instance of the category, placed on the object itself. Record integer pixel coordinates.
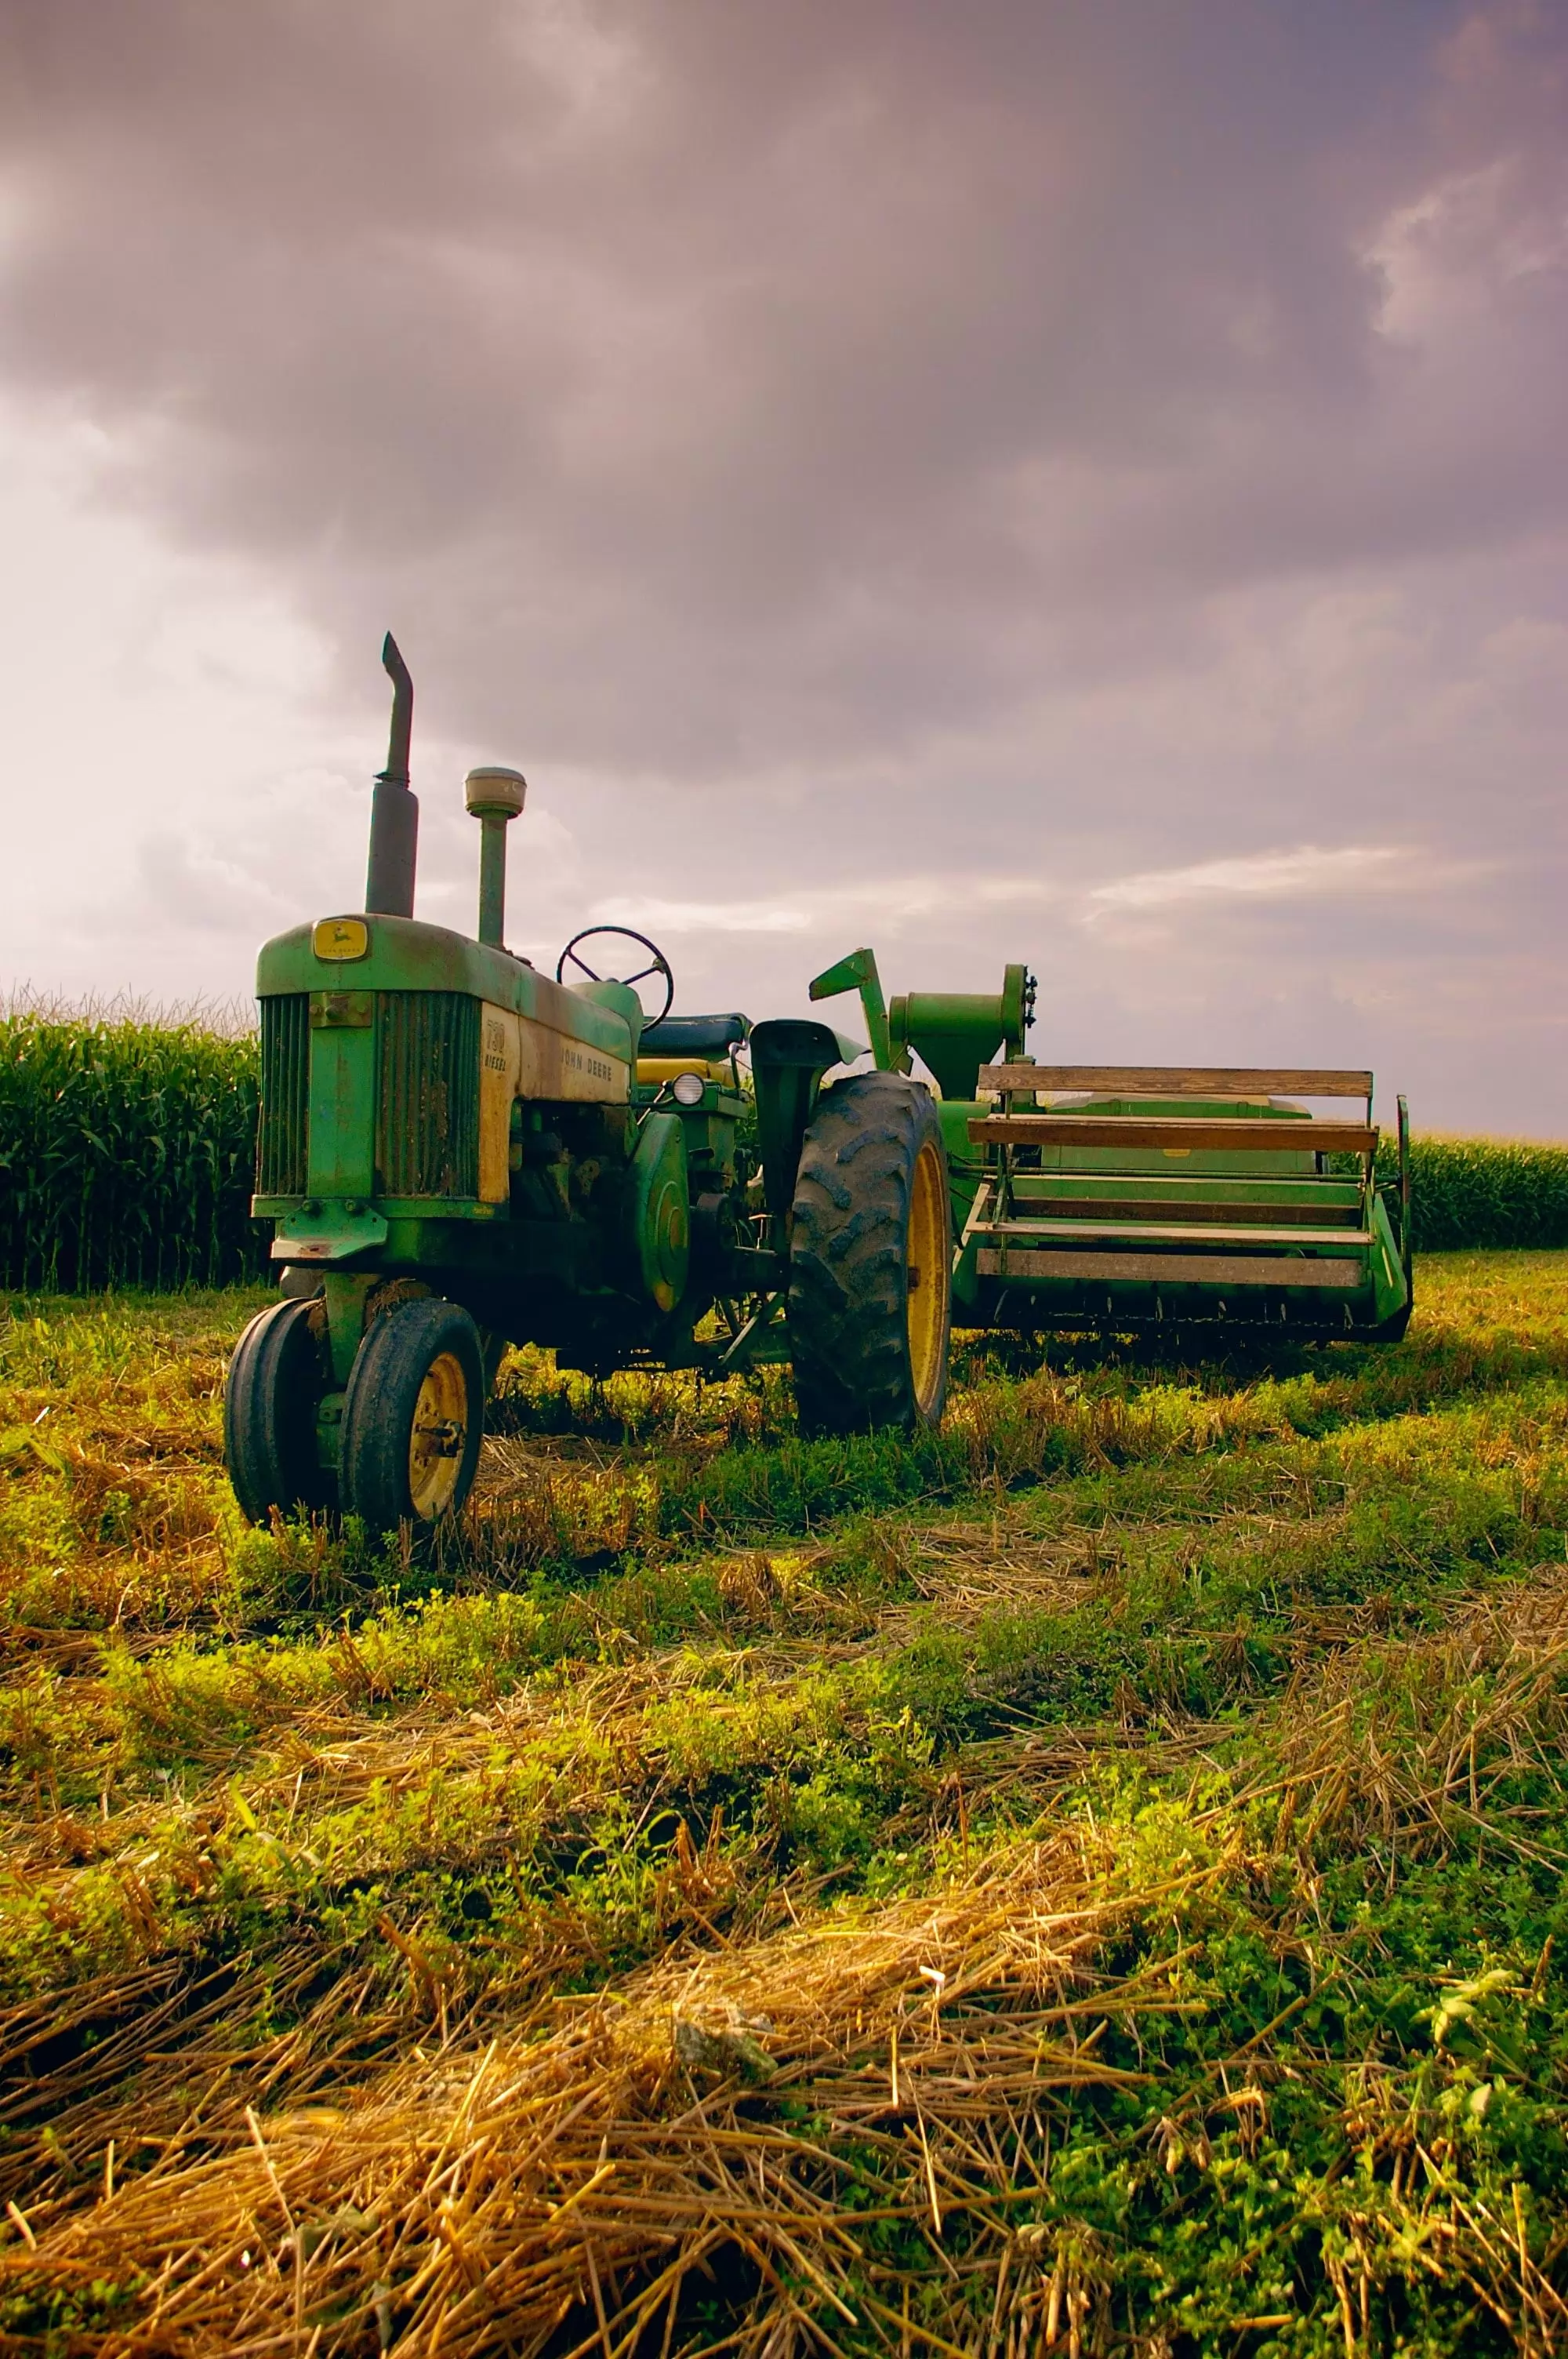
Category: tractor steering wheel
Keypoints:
(657, 964)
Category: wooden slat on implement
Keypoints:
(1156, 1233)
(1025, 1267)
(1155, 1207)
(1180, 1080)
(1276, 1138)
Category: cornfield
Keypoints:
(128, 1143)
(126, 1148)
(1495, 1193)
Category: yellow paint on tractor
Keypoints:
(521, 1057)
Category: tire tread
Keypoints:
(848, 1296)
(270, 1397)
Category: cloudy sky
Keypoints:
(1075, 480)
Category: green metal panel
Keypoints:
(396, 1208)
(1247, 1163)
(1390, 1272)
(1179, 1184)
(394, 1094)
(329, 1231)
(617, 997)
(341, 1160)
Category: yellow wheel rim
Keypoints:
(930, 1274)
(438, 1437)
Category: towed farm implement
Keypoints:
(1113, 1199)
(458, 1152)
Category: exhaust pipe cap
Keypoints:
(494, 790)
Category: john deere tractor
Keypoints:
(458, 1152)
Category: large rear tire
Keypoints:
(273, 1390)
(413, 1416)
(871, 1260)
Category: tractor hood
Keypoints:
(356, 952)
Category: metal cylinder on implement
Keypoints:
(954, 1033)
(496, 795)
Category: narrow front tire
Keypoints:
(413, 1416)
(275, 1386)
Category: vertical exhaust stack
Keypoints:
(494, 795)
(393, 811)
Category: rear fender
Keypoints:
(789, 1057)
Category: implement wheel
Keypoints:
(275, 1386)
(871, 1260)
(413, 1416)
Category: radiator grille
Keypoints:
(285, 1083)
(427, 1120)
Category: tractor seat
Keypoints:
(692, 1035)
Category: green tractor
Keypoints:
(459, 1152)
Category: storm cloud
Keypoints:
(1080, 481)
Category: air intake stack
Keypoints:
(494, 795)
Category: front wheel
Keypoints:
(413, 1416)
(275, 1386)
(872, 1260)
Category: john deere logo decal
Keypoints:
(340, 937)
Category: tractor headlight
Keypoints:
(688, 1088)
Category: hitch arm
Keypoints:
(859, 973)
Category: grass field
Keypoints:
(1094, 1883)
